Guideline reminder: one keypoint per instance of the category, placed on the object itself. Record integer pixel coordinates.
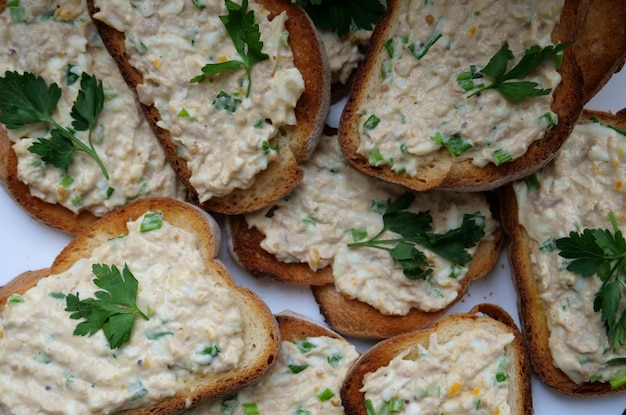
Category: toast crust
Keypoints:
(444, 172)
(489, 315)
(296, 142)
(601, 45)
(360, 320)
(261, 332)
(532, 312)
(52, 215)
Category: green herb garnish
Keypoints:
(612, 127)
(602, 253)
(113, 311)
(250, 409)
(388, 407)
(343, 16)
(415, 229)
(295, 369)
(244, 31)
(503, 80)
(420, 50)
(326, 395)
(151, 222)
(27, 99)
(455, 144)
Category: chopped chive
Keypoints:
(305, 346)
(419, 53)
(371, 122)
(455, 144)
(326, 395)
(500, 157)
(151, 221)
(295, 369)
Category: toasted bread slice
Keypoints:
(292, 143)
(312, 359)
(601, 45)
(42, 190)
(355, 318)
(548, 321)
(423, 163)
(487, 317)
(259, 333)
(301, 239)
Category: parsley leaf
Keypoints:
(113, 310)
(502, 80)
(27, 99)
(416, 229)
(343, 16)
(602, 253)
(244, 31)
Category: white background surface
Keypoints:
(26, 245)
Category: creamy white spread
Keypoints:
(576, 191)
(418, 99)
(466, 374)
(58, 41)
(344, 53)
(315, 223)
(225, 136)
(306, 379)
(44, 368)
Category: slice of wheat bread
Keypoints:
(295, 142)
(488, 316)
(347, 316)
(56, 214)
(533, 311)
(330, 194)
(441, 169)
(358, 319)
(312, 358)
(601, 45)
(260, 330)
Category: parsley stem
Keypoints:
(375, 242)
(89, 149)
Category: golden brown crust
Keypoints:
(295, 326)
(53, 215)
(245, 247)
(446, 172)
(487, 315)
(532, 312)
(601, 46)
(358, 319)
(261, 334)
(296, 142)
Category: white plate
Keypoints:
(27, 245)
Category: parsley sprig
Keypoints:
(415, 229)
(503, 80)
(27, 99)
(244, 31)
(113, 310)
(343, 16)
(602, 253)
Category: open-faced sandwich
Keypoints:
(565, 224)
(135, 316)
(312, 364)
(465, 95)
(381, 259)
(474, 363)
(236, 92)
(74, 144)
